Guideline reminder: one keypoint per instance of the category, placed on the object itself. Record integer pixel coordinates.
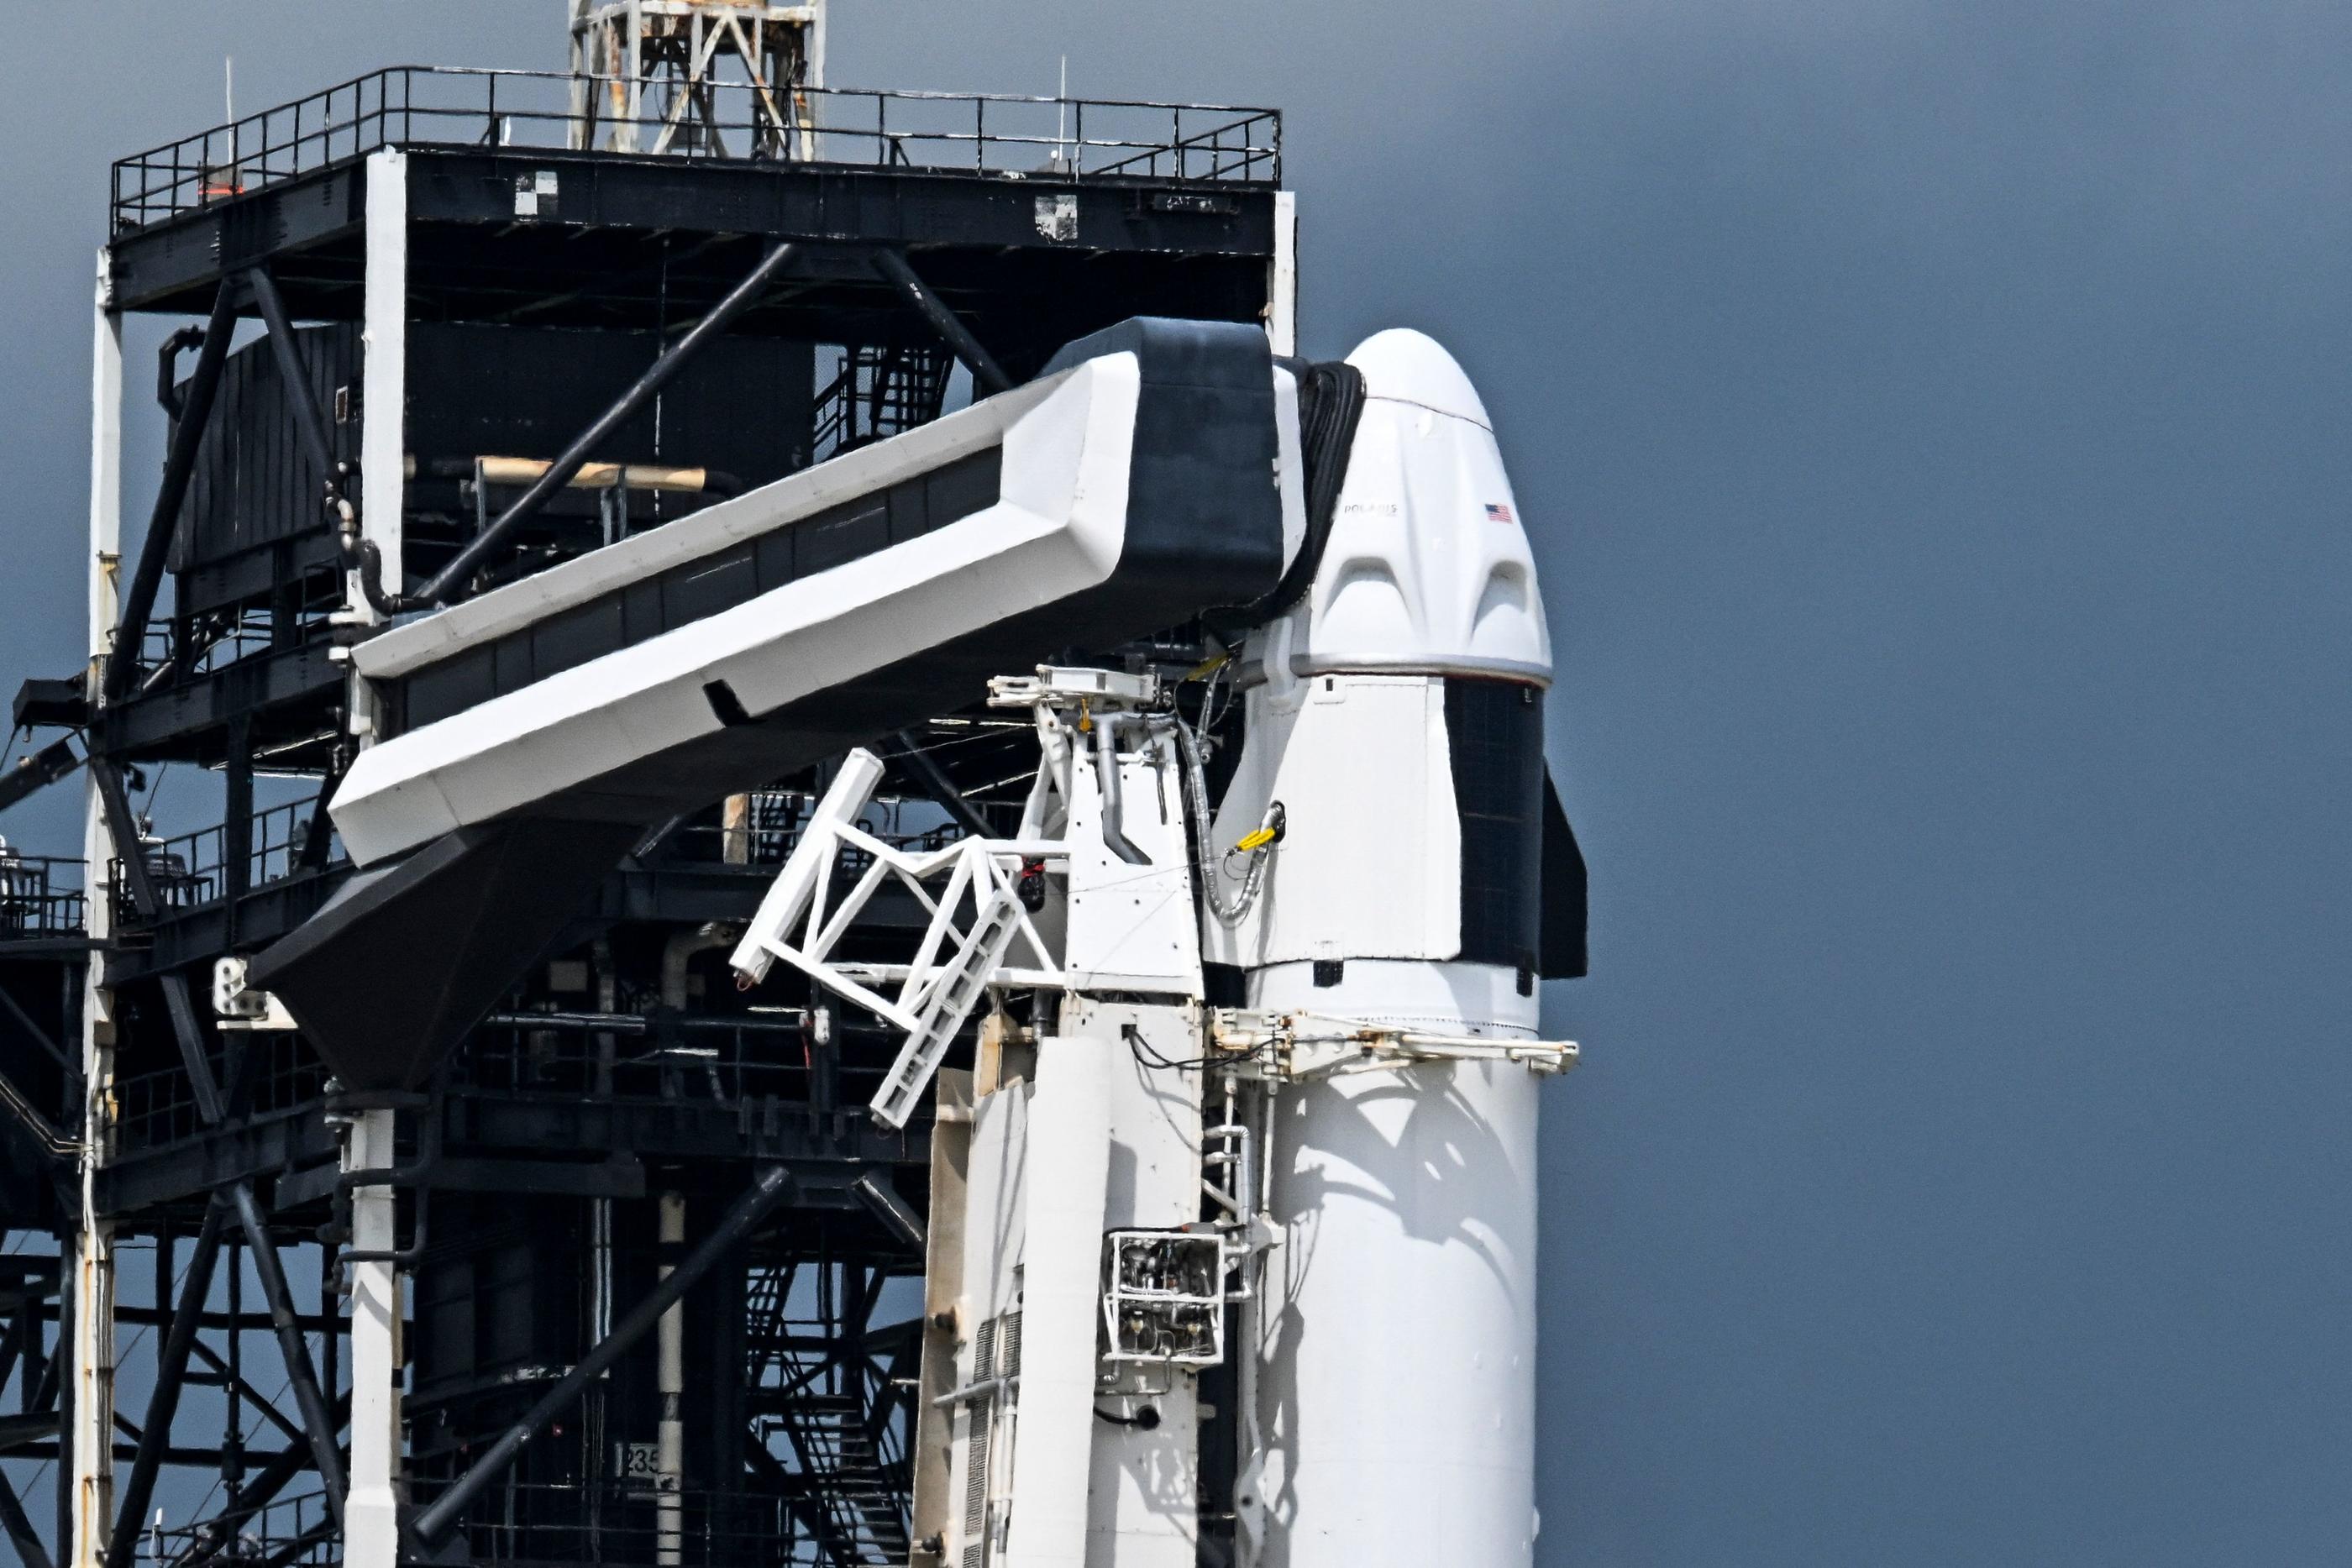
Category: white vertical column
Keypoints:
(91, 1443)
(584, 39)
(384, 383)
(1067, 1176)
(1282, 276)
(372, 1502)
(372, 1511)
(669, 1436)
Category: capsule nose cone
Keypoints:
(1409, 367)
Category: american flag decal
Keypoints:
(1496, 514)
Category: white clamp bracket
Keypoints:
(1301, 1047)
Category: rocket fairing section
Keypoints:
(1396, 712)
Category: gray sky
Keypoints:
(1931, 418)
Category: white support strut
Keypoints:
(935, 994)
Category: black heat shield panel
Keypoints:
(1565, 906)
(403, 960)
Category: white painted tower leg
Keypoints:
(90, 1442)
(371, 1513)
(669, 1436)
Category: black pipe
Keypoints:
(163, 523)
(309, 422)
(935, 783)
(985, 372)
(167, 367)
(210, 1105)
(772, 1185)
(292, 1348)
(171, 1368)
(576, 456)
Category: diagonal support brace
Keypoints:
(318, 1424)
(985, 372)
(170, 1371)
(772, 1188)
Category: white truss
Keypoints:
(978, 933)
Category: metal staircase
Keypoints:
(826, 1415)
(881, 390)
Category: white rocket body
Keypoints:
(1395, 713)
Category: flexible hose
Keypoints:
(1196, 798)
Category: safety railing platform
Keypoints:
(422, 106)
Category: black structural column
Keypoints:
(772, 1186)
(985, 372)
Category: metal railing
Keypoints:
(617, 1524)
(984, 133)
(287, 1532)
(41, 895)
(158, 1110)
(772, 827)
(191, 870)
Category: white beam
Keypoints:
(1282, 276)
(385, 373)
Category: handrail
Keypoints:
(470, 107)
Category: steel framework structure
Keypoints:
(633, 1281)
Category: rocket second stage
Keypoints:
(1396, 714)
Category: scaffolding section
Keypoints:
(650, 75)
(634, 1279)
